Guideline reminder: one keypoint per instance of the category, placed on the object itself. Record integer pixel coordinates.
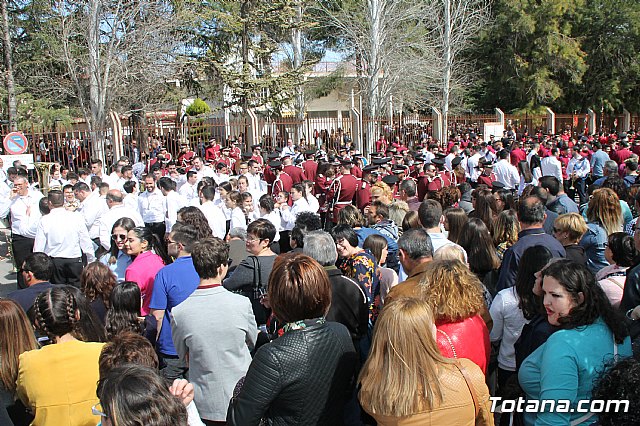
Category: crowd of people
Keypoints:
(299, 286)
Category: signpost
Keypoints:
(15, 143)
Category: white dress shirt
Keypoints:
(275, 218)
(238, 219)
(62, 233)
(189, 192)
(152, 206)
(254, 183)
(448, 161)
(314, 204)
(92, 208)
(174, 202)
(289, 215)
(551, 166)
(507, 174)
(215, 217)
(5, 199)
(131, 200)
(25, 214)
(471, 169)
(111, 216)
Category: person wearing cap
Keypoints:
(212, 153)
(438, 178)
(186, 155)
(282, 182)
(235, 152)
(225, 159)
(342, 190)
(295, 172)
(363, 191)
(486, 175)
(309, 165)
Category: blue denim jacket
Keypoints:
(594, 241)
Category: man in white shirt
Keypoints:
(117, 210)
(449, 158)
(472, 164)
(173, 200)
(577, 171)
(92, 207)
(290, 149)
(189, 190)
(506, 173)
(25, 216)
(201, 169)
(551, 166)
(215, 217)
(153, 208)
(63, 236)
(97, 170)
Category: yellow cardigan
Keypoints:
(59, 383)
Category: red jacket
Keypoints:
(465, 339)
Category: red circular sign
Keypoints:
(15, 143)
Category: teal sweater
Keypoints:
(565, 367)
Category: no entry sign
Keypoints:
(15, 143)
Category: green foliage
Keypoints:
(198, 107)
(41, 116)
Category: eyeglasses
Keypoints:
(250, 240)
(118, 237)
(96, 410)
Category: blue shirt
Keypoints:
(511, 260)
(123, 261)
(593, 242)
(173, 284)
(565, 368)
(597, 162)
(26, 296)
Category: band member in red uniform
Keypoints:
(486, 177)
(283, 181)
(440, 178)
(382, 144)
(257, 154)
(269, 174)
(295, 172)
(224, 158)
(212, 152)
(342, 190)
(235, 151)
(309, 165)
(186, 156)
(363, 192)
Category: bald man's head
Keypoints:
(115, 196)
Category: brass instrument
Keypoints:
(44, 171)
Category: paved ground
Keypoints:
(7, 276)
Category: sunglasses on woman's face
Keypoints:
(118, 237)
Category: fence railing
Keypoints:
(74, 147)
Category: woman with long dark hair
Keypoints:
(149, 256)
(476, 239)
(591, 335)
(124, 314)
(193, 216)
(454, 220)
(484, 207)
(621, 254)
(116, 258)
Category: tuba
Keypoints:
(44, 170)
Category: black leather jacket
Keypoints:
(302, 378)
(631, 294)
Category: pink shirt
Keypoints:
(143, 271)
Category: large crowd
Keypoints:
(402, 287)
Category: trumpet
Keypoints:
(573, 181)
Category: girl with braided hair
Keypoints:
(58, 382)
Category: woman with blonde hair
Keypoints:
(16, 337)
(604, 217)
(456, 296)
(380, 191)
(406, 380)
(569, 228)
(505, 231)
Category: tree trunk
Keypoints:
(8, 67)
(373, 68)
(296, 42)
(448, 63)
(97, 117)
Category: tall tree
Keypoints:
(529, 55)
(8, 68)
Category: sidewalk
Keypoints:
(7, 276)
